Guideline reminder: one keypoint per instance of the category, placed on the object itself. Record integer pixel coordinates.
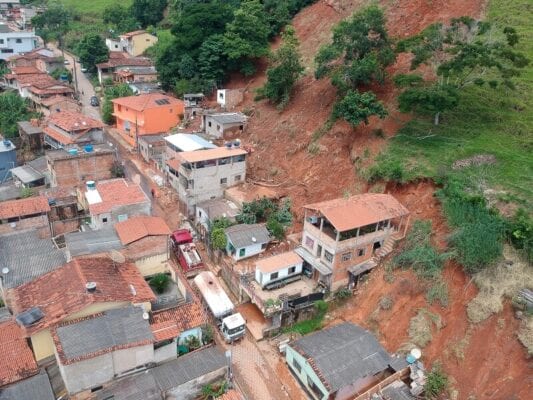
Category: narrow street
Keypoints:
(252, 372)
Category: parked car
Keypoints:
(66, 62)
(83, 69)
(94, 101)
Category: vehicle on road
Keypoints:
(83, 69)
(231, 324)
(94, 101)
(66, 62)
(186, 253)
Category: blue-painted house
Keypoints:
(342, 362)
(8, 159)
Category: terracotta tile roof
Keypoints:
(147, 101)
(72, 121)
(22, 207)
(114, 62)
(56, 89)
(39, 80)
(117, 192)
(62, 292)
(134, 33)
(63, 139)
(146, 247)
(26, 70)
(168, 324)
(136, 228)
(210, 154)
(118, 55)
(16, 356)
(360, 210)
(231, 394)
(57, 99)
(278, 262)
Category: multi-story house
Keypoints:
(205, 174)
(68, 128)
(344, 238)
(15, 42)
(134, 43)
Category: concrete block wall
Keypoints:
(75, 171)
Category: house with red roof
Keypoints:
(81, 288)
(345, 238)
(146, 114)
(69, 128)
(119, 60)
(22, 214)
(112, 201)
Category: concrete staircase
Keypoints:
(387, 247)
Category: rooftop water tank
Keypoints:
(73, 152)
(91, 185)
(7, 143)
(89, 148)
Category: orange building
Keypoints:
(146, 114)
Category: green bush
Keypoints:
(218, 239)
(275, 228)
(436, 383)
(207, 334)
(438, 292)
(160, 282)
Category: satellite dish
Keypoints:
(416, 353)
(117, 257)
(146, 315)
(5, 270)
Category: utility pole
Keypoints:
(75, 73)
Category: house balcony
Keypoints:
(328, 238)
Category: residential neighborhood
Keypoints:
(254, 200)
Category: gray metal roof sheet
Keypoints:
(26, 174)
(27, 127)
(116, 327)
(27, 257)
(141, 386)
(241, 235)
(228, 118)
(92, 242)
(189, 367)
(343, 354)
(36, 387)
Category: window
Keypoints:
(224, 161)
(241, 127)
(346, 256)
(224, 181)
(104, 220)
(221, 95)
(274, 275)
(240, 158)
(190, 184)
(296, 365)
(1, 41)
(122, 217)
(242, 252)
(309, 243)
(218, 128)
(292, 270)
(360, 252)
(328, 256)
(209, 124)
(7, 51)
(96, 389)
(18, 41)
(314, 388)
(237, 178)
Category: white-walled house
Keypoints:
(16, 42)
(278, 268)
(246, 240)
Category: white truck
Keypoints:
(231, 324)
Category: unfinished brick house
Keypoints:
(27, 213)
(345, 238)
(74, 167)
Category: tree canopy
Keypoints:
(92, 50)
(357, 107)
(465, 52)
(285, 69)
(13, 108)
(110, 93)
(148, 12)
(53, 22)
(120, 19)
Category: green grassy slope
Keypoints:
(497, 122)
(92, 6)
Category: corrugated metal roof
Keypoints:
(243, 235)
(92, 242)
(36, 387)
(26, 174)
(228, 118)
(189, 142)
(27, 257)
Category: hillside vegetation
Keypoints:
(92, 6)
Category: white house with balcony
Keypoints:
(14, 42)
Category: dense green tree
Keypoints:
(148, 12)
(359, 53)
(92, 50)
(120, 19)
(357, 107)
(12, 109)
(285, 69)
(212, 61)
(53, 22)
(246, 37)
(465, 52)
(113, 92)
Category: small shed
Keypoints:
(281, 267)
(28, 177)
(246, 240)
(220, 125)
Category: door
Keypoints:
(319, 251)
